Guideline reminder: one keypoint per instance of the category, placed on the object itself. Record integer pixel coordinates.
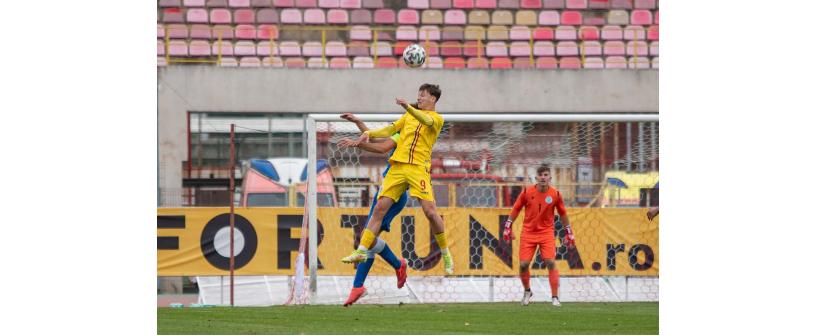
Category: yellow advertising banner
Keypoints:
(195, 241)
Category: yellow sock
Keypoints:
(367, 239)
(442, 240)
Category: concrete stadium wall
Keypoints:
(183, 89)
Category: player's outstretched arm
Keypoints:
(350, 117)
(422, 117)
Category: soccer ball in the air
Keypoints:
(414, 55)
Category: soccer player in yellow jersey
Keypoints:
(410, 166)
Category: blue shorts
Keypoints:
(392, 212)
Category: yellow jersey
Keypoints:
(416, 140)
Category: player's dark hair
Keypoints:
(433, 90)
(543, 168)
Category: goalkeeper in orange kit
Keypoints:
(539, 203)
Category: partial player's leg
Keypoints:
(420, 187)
(526, 253)
(392, 188)
(548, 255)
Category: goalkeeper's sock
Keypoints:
(525, 279)
(390, 257)
(362, 271)
(441, 239)
(554, 281)
(367, 240)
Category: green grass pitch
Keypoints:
(414, 319)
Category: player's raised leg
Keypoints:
(371, 231)
(437, 228)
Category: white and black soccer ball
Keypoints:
(414, 55)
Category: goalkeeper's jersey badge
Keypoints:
(548, 199)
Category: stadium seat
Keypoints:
(543, 48)
(291, 16)
(169, 3)
(431, 48)
(637, 48)
(441, 4)
(161, 61)
(475, 33)
(615, 62)
(569, 63)
(599, 4)
(502, 17)
(641, 17)
(611, 33)
(655, 63)
(497, 33)
(554, 4)
(614, 48)
(565, 33)
(451, 48)
(264, 48)
(656, 17)
(381, 49)
(478, 17)
(433, 63)
(634, 33)
(589, 33)
(350, 4)
(520, 49)
(385, 63)
(474, 49)
(384, 16)
(543, 34)
(511, 4)
(244, 16)
(531, 4)
(617, 17)
(216, 3)
(363, 62)
(160, 31)
(289, 48)
(223, 48)
(295, 62)
(249, 62)
(224, 32)
(546, 63)
(478, 63)
(357, 49)
(245, 32)
(399, 47)
(431, 33)
(160, 48)
(408, 16)
(272, 62)
(593, 63)
(567, 48)
(454, 63)
(520, 33)
(406, 33)
(432, 16)
(266, 32)
(312, 49)
(328, 4)
(220, 15)
(622, 4)
(500, 63)
(463, 4)
(172, 15)
(639, 63)
(360, 33)
(244, 48)
(228, 62)
(653, 49)
(455, 17)
(197, 15)
(452, 33)
(486, 4)
(592, 48)
(261, 3)
(268, 15)
(496, 49)
(526, 18)
(361, 16)
(523, 63)
(335, 49)
(337, 16)
(645, 4)
(577, 4)
(571, 17)
(239, 3)
(314, 16)
(373, 4)
(653, 33)
(418, 4)
(177, 31)
(305, 3)
(549, 18)
(594, 18)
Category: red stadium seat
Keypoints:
(653, 49)
(641, 17)
(223, 48)
(589, 33)
(283, 3)
(291, 16)
(611, 33)
(565, 33)
(593, 63)
(385, 63)
(569, 63)
(361, 16)
(430, 47)
(616, 62)
(172, 15)
(314, 16)
(220, 15)
(312, 49)
(244, 48)
(335, 49)
(478, 63)
(543, 48)
(571, 17)
(454, 63)
(441, 4)
(228, 62)
(656, 17)
(169, 3)
(653, 33)
(614, 48)
(497, 49)
(295, 62)
(520, 49)
(406, 33)
(592, 48)
(350, 4)
(289, 48)
(455, 16)
(238, 3)
(201, 31)
(637, 48)
(399, 47)
(554, 4)
(362, 62)
(223, 32)
(360, 33)
(381, 49)
(634, 33)
(577, 4)
(384, 16)
(474, 49)
(408, 16)
(549, 18)
(418, 4)
(268, 15)
(531, 4)
(374, 4)
(197, 15)
(266, 31)
(599, 4)
(244, 16)
(337, 16)
(463, 4)
(451, 48)
(245, 32)
(500, 63)
(305, 3)
(358, 48)
(486, 4)
(567, 49)
(329, 4)
(520, 33)
(177, 31)
(272, 61)
(645, 4)
(543, 34)
(249, 62)
(510, 4)
(429, 33)
(452, 33)
(622, 4)
(546, 63)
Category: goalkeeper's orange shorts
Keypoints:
(528, 246)
(401, 175)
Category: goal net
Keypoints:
(605, 166)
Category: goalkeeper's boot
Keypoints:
(401, 274)
(355, 257)
(555, 301)
(527, 298)
(448, 263)
(356, 293)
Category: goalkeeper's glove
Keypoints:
(508, 236)
(569, 240)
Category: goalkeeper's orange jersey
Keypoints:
(416, 140)
(539, 211)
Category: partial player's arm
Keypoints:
(516, 209)
(652, 213)
(422, 117)
(564, 220)
(386, 131)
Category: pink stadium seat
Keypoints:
(641, 17)
(441, 4)
(523, 63)
(172, 15)
(653, 49)
(577, 4)
(418, 4)
(543, 48)
(220, 15)
(177, 31)
(474, 49)
(622, 4)
(312, 49)
(249, 62)
(340, 63)
(246, 16)
(496, 49)
(645, 4)
(266, 31)
(329, 4)
(463, 4)
(546, 63)
(543, 34)
(314, 16)
(638, 63)
(478, 63)
(384, 16)
(593, 63)
(656, 17)
(160, 31)
(363, 62)
(295, 63)
(554, 4)
(264, 48)
(268, 15)
(520, 49)
(611, 33)
(455, 16)
(511, 4)
(486, 4)
(549, 18)
(592, 48)
(599, 4)
(228, 62)
(406, 33)
(452, 33)
(565, 33)
(454, 63)
(169, 3)
(614, 48)
(637, 48)
(399, 47)
(160, 49)
(531, 4)
(305, 3)
(283, 3)
(361, 16)
(385, 35)
(291, 16)
(317, 63)
(653, 33)
(451, 48)
(520, 33)
(385, 63)
(272, 61)
(429, 33)
(358, 33)
(223, 32)
(500, 63)
(350, 4)
(238, 3)
(408, 16)
(567, 49)
(335, 49)
(245, 32)
(374, 4)
(431, 48)
(289, 48)
(381, 49)
(655, 63)
(570, 63)
(244, 48)
(197, 15)
(216, 3)
(571, 17)
(358, 48)
(337, 16)
(224, 48)
(634, 33)
(261, 3)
